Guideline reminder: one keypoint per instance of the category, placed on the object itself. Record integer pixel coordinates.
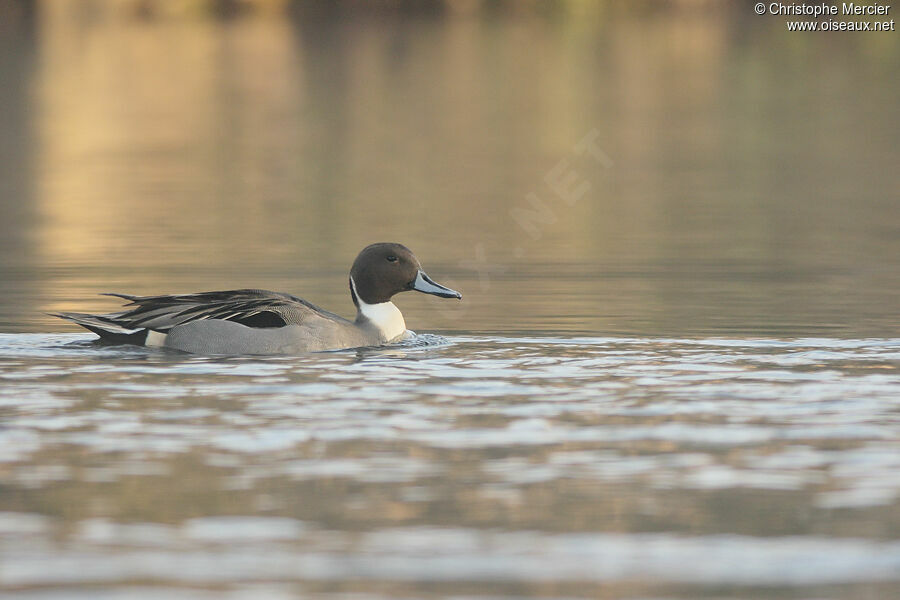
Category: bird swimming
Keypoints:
(250, 321)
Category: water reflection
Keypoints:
(484, 463)
(682, 384)
(744, 193)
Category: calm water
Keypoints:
(675, 376)
(494, 466)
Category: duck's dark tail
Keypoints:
(106, 327)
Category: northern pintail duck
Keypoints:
(262, 322)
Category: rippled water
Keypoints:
(682, 383)
(464, 465)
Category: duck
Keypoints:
(261, 322)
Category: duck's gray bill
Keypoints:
(423, 283)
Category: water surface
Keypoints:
(682, 381)
(504, 466)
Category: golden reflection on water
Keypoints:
(176, 151)
(749, 188)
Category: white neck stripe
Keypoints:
(385, 316)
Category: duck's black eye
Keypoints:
(391, 258)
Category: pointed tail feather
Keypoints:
(131, 298)
(105, 327)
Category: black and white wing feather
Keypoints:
(254, 308)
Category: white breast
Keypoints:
(385, 316)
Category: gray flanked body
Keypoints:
(262, 322)
(217, 336)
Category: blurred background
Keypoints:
(673, 374)
(749, 184)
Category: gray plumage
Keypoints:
(250, 321)
(255, 308)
